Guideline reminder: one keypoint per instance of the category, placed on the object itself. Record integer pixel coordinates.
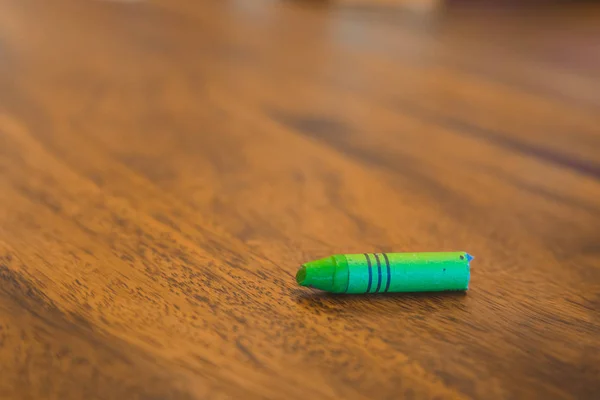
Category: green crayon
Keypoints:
(388, 272)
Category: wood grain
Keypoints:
(166, 166)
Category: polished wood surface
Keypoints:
(166, 166)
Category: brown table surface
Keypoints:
(166, 166)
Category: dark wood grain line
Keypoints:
(342, 139)
(540, 152)
(537, 189)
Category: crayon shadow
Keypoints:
(384, 302)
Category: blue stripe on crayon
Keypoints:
(389, 273)
(378, 272)
(370, 273)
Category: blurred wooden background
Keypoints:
(165, 166)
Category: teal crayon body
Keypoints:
(388, 272)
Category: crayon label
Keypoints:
(407, 272)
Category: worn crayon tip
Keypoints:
(469, 257)
(301, 276)
(317, 274)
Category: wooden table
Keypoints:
(166, 166)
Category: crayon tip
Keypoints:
(317, 274)
(469, 257)
(301, 276)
